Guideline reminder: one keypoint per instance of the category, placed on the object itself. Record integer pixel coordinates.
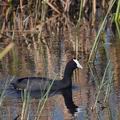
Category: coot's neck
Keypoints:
(68, 73)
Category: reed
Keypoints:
(6, 50)
(117, 15)
(2, 95)
(80, 12)
(28, 27)
(118, 28)
(93, 73)
(42, 102)
(94, 12)
(108, 88)
(96, 42)
(105, 88)
(25, 105)
(101, 85)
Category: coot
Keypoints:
(42, 83)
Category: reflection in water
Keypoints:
(67, 94)
(115, 58)
(113, 53)
(14, 94)
(107, 80)
(59, 43)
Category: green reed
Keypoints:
(117, 15)
(96, 42)
(116, 18)
(101, 84)
(118, 28)
(26, 98)
(80, 13)
(42, 102)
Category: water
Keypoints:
(49, 60)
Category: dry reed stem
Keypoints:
(94, 12)
(6, 50)
(33, 29)
(67, 5)
(46, 1)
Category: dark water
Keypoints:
(97, 93)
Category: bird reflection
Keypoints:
(66, 93)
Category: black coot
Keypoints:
(42, 83)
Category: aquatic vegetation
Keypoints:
(39, 36)
(117, 14)
(3, 91)
(116, 17)
(102, 27)
(103, 83)
(6, 50)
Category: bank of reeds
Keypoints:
(28, 18)
(26, 23)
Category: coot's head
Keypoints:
(74, 63)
